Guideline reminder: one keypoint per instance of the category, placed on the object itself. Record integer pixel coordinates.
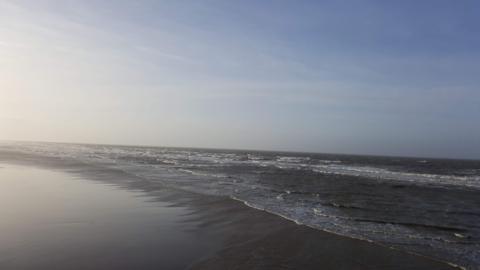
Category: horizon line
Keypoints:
(244, 149)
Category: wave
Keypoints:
(225, 174)
(181, 158)
(380, 173)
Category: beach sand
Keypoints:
(58, 214)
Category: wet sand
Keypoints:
(58, 214)
(52, 220)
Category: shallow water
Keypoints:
(52, 220)
(426, 206)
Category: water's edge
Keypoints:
(137, 183)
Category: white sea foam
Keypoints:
(106, 154)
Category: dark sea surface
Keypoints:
(424, 206)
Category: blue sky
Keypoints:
(372, 77)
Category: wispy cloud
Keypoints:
(153, 51)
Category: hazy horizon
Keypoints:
(375, 78)
(24, 142)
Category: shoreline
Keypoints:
(252, 239)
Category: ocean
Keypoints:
(424, 206)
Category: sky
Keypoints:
(361, 77)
